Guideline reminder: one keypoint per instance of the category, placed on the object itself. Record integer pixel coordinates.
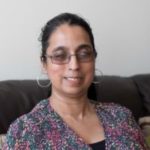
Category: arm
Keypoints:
(14, 137)
(134, 131)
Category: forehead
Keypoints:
(68, 36)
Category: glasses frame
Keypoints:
(68, 58)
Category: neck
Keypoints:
(76, 107)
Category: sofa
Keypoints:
(18, 97)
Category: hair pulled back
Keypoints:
(54, 23)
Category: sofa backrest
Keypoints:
(18, 97)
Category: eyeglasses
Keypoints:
(65, 57)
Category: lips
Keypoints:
(73, 78)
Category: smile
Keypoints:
(73, 78)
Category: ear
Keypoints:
(44, 68)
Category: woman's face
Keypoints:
(74, 77)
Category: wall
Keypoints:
(121, 29)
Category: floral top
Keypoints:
(44, 129)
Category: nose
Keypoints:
(73, 63)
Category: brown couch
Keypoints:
(20, 96)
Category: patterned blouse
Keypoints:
(44, 129)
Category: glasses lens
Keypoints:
(59, 58)
(63, 58)
(85, 56)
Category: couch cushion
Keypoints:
(2, 140)
(143, 85)
(17, 98)
(144, 123)
(120, 90)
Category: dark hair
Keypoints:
(54, 23)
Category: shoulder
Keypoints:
(111, 107)
(23, 129)
(114, 110)
(122, 122)
(35, 116)
(114, 107)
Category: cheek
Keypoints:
(54, 72)
(90, 72)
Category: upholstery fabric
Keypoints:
(16, 98)
(2, 140)
(143, 84)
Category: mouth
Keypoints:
(73, 78)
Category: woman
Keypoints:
(68, 120)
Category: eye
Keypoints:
(59, 56)
(84, 54)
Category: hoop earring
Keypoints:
(41, 81)
(98, 74)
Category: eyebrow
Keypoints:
(77, 49)
(85, 46)
(59, 48)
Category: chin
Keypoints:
(75, 92)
